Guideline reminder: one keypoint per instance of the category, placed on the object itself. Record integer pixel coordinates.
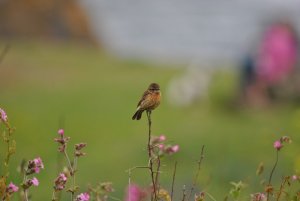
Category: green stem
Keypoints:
(271, 174)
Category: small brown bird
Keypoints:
(149, 101)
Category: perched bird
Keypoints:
(149, 101)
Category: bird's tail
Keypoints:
(137, 115)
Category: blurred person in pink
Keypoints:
(273, 64)
(277, 54)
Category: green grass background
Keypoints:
(93, 95)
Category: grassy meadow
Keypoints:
(93, 95)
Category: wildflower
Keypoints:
(135, 193)
(35, 181)
(162, 138)
(3, 115)
(60, 182)
(295, 177)
(61, 132)
(172, 149)
(200, 197)
(62, 140)
(83, 197)
(175, 148)
(161, 147)
(12, 188)
(277, 145)
(107, 187)
(31, 182)
(34, 166)
(80, 146)
(258, 197)
(286, 139)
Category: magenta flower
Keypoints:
(83, 197)
(135, 193)
(3, 115)
(38, 163)
(60, 182)
(34, 166)
(162, 138)
(34, 181)
(277, 145)
(12, 188)
(175, 148)
(161, 147)
(172, 149)
(61, 132)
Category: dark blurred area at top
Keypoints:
(44, 19)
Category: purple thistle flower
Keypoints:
(277, 145)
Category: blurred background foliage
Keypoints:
(57, 75)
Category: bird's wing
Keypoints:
(143, 98)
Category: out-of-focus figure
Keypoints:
(191, 86)
(270, 73)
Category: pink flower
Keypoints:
(258, 197)
(175, 148)
(60, 182)
(83, 197)
(277, 145)
(295, 177)
(61, 132)
(38, 164)
(12, 188)
(171, 149)
(135, 193)
(3, 115)
(34, 181)
(34, 166)
(162, 138)
(161, 147)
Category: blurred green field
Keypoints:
(93, 95)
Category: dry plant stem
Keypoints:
(72, 173)
(183, 193)
(4, 52)
(157, 174)
(197, 173)
(173, 180)
(9, 146)
(25, 190)
(271, 174)
(285, 180)
(153, 195)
